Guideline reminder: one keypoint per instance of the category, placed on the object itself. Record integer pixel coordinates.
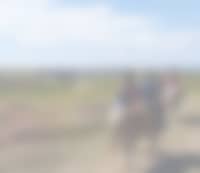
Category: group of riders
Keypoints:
(142, 104)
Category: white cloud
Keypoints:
(93, 35)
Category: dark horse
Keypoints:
(142, 114)
(143, 108)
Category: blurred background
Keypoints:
(99, 86)
(62, 121)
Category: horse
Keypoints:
(138, 114)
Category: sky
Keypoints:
(94, 33)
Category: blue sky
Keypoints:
(175, 13)
(99, 33)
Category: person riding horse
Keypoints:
(142, 108)
(141, 112)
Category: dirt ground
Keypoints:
(33, 140)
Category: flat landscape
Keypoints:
(59, 125)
